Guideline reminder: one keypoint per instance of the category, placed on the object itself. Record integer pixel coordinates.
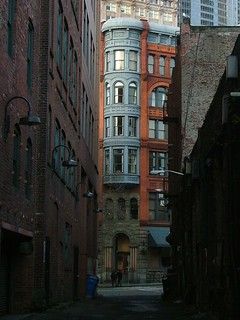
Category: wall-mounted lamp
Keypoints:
(163, 172)
(69, 163)
(89, 195)
(29, 120)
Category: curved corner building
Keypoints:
(137, 58)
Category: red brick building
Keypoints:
(48, 226)
(136, 61)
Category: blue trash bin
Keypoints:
(92, 282)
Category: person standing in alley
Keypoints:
(113, 278)
(119, 278)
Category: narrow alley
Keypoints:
(142, 302)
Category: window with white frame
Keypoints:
(157, 129)
(158, 97)
(172, 65)
(133, 57)
(162, 65)
(126, 9)
(118, 160)
(107, 93)
(107, 61)
(132, 93)
(118, 92)
(118, 126)
(111, 7)
(119, 60)
(157, 161)
(157, 207)
(132, 161)
(150, 63)
(107, 127)
(107, 161)
(132, 126)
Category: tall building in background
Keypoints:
(136, 63)
(210, 12)
(160, 11)
(48, 170)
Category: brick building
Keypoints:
(201, 201)
(135, 73)
(48, 224)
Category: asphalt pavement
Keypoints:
(125, 303)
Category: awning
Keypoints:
(157, 237)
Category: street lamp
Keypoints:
(29, 120)
(69, 163)
(162, 172)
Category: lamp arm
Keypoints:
(62, 145)
(13, 98)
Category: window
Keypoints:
(16, 156)
(132, 126)
(119, 59)
(57, 141)
(150, 63)
(133, 208)
(73, 88)
(63, 154)
(118, 92)
(28, 170)
(107, 161)
(132, 92)
(132, 161)
(158, 97)
(109, 207)
(108, 61)
(118, 160)
(172, 65)
(118, 126)
(133, 60)
(59, 36)
(157, 208)
(30, 54)
(157, 161)
(107, 93)
(107, 127)
(162, 66)
(157, 129)
(65, 51)
(10, 28)
(121, 212)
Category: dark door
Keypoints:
(4, 282)
(75, 273)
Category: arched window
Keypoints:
(107, 93)
(30, 53)
(64, 155)
(118, 92)
(121, 209)
(109, 208)
(28, 170)
(57, 142)
(16, 156)
(132, 93)
(133, 208)
(158, 97)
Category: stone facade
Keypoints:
(126, 185)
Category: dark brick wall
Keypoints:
(50, 278)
